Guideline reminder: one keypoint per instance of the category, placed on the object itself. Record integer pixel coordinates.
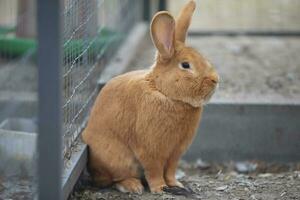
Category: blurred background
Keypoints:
(250, 126)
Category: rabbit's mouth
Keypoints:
(203, 94)
(193, 101)
(208, 88)
(209, 95)
(199, 100)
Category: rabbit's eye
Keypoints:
(185, 65)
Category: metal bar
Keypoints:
(50, 130)
(147, 10)
(244, 33)
(162, 5)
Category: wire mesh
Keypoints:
(93, 29)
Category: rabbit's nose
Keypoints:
(214, 77)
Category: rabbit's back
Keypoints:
(115, 107)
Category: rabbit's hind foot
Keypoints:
(130, 185)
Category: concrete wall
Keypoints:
(267, 132)
(8, 12)
(20, 14)
(243, 14)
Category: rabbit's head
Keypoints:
(180, 72)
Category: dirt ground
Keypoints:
(252, 69)
(215, 181)
(212, 181)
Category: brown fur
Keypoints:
(143, 121)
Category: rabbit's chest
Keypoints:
(169, 122)
(179, 123)
(175, 130)
(162, 126)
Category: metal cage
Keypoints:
(51, 66)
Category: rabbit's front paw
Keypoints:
(157, 189)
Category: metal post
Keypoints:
(49, 64)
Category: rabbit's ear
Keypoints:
(183, 20)
(163, 33)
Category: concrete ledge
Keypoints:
(125, 53)
(18, 147)
(73, 168)
(18, 153)
(11, 108)
(230, 131)
(245, 33)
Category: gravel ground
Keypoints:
(252, 69)
(17, 188)
(236, 181)
(213, 182)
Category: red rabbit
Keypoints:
(143, 121)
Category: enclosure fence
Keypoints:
(58, 57)
(92, 31)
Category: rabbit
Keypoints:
(143, 121)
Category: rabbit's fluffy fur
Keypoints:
(143, 121)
